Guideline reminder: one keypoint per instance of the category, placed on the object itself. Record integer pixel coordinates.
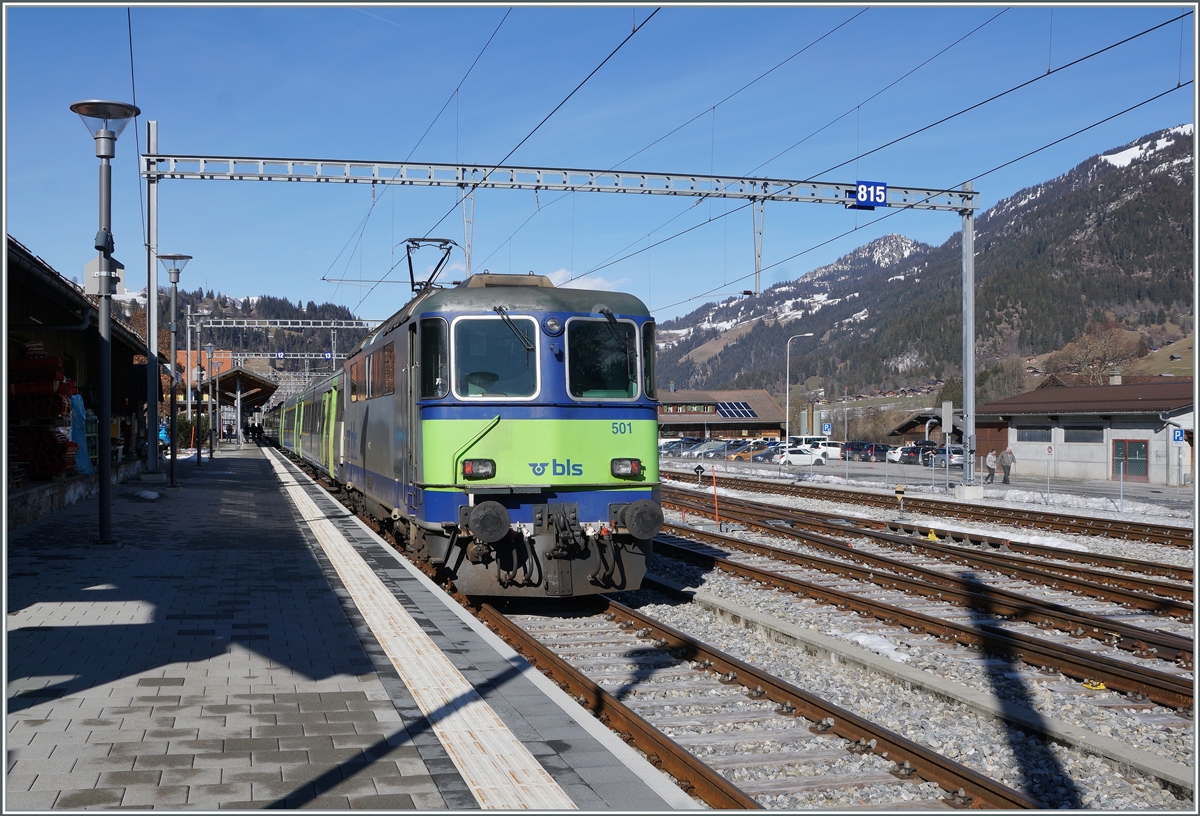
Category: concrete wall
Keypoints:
(1094, 461)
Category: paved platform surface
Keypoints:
(214, 660)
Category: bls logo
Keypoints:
(558, 468)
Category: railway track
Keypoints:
(1157, 597)
(1023, 518)
(687, 704)
(982, 620)
(927, 778)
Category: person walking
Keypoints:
(1006, 461)
(990, 464)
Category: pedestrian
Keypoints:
(1007, 460)
(990, 464)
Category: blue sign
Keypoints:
(1177, 437)
(870, 193)
(279, 355)
(329, 355)
(827, 427)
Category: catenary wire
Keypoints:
(137, 142)
(375, 200)
(976, 177)
(902, 138)
(530, 134)
(711, 108)
(806, 138)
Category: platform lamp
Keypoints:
(174, 265)
(197, 376)
(209, 348)
(787, 400)
(105, 121)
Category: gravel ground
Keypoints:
(1161, 554)
(1057, 775)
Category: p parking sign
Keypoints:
(827, 428)
(1177, 437)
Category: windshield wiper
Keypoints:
(500, 310)
(610, 320)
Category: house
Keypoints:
(748, 413)
(1115, 431)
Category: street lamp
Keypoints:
(209, 348)
(197, 373)
(175, 265)
(105, 121)
(787, 400)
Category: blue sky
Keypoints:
(365, 82)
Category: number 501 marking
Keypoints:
(622, 427)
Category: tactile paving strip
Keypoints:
(497, 767)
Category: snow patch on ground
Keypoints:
(877, 644)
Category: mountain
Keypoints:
(1110, 240)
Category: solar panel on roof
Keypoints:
(736, 410)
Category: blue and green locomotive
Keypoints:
(505, 429)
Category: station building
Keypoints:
(741, 414)
(1096, 432)
(53, 343)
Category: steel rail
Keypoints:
(664, 753)
(1080, 525)
(1158, 597)
(980, 790)
(1002, 603)
(1164, 689)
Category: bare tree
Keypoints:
(1102, 348)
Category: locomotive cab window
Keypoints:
(648, 359)
(602, 358)
(435, 359)
(495, 357)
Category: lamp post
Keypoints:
(105, 121)
(197, 373)
(787, 399)
(208, 350)
(175, 265)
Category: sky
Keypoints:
(686, 93)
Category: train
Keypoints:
(503, 429)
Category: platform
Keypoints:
(249, 644)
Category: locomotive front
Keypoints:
(535, 438)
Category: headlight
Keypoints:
(626, 468)
(478, 468)
(552, 326)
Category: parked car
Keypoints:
(725, 449)
(698, 451)
(673, 448)
(874, 452)
(746, 453)
(909, 455)
(956, 454)
(801, 456)
(850, 450)
(893, 454)
(830, 448)
(767, 454)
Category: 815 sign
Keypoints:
(870, 193)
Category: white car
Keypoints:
(893, 455)
(801, 456)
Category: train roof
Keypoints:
(531, 292)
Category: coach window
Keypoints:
(495, 357)
(358, 383)
(435, 359)
(602, 358)
(381, 372)
(648, 359)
